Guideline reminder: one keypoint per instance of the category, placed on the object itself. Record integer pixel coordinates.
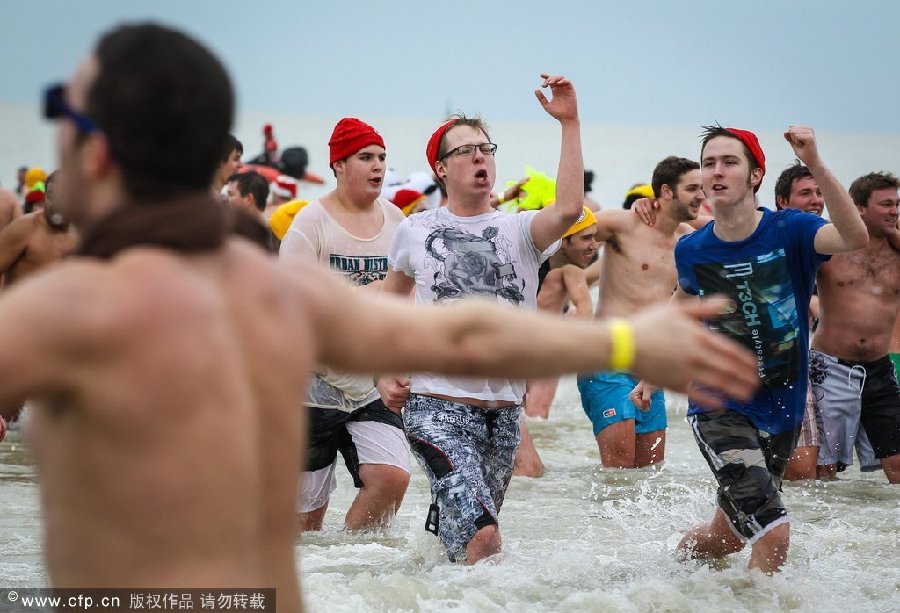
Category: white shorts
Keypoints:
(375, 443)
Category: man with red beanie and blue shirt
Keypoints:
(350, 230)
(766, 262)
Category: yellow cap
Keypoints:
(283, 216)
(585, 220)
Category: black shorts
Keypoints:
(748, 464)
(880, 413)
(328, 435)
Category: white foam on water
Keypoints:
(585, 538)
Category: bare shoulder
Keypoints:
(612, 223)
(69, 301)
(618, 218)
(683, 229)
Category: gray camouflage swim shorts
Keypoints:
(467, 453)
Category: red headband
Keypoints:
(434, 144)
(349, 136)
(752, 143)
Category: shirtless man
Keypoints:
(638, 270)
(35, 240)
(851, 373)
(165, 320)
(562, 280)
(796, 188)
(349, 230)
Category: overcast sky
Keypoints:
(764, 64)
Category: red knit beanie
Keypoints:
(349, 136)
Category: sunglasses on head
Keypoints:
(56, 107)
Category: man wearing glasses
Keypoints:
(464, 432)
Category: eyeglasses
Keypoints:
(56, 107)
(462, 150)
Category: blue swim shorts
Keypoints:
(604, 398)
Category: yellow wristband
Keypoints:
(621, 353)
(500, 199)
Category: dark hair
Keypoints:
(862, 188)
(232, 145)
(630, 199)
(669, 172)
(165, 104)
(786, 180)
(252, 183)
(711, 132)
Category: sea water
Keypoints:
(580, 538)
(619, 155)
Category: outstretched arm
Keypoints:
(846, 232)
(552, 222)
(480, 338)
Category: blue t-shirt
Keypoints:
(770, 276)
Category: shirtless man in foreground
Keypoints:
(165, 440)
(36, 239)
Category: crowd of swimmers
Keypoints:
(168, 271)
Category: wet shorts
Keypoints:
(604, 398)
(895, 358)
(855, 400)
(812, 423)
(467, 454)
(748, 464)
(372, 434)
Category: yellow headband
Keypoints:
(585, 220)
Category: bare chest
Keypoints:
(869, 272)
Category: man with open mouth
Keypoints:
(465, 432)
(350, 230)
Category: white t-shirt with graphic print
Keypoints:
(490, 256)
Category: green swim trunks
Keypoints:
(895, 358)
